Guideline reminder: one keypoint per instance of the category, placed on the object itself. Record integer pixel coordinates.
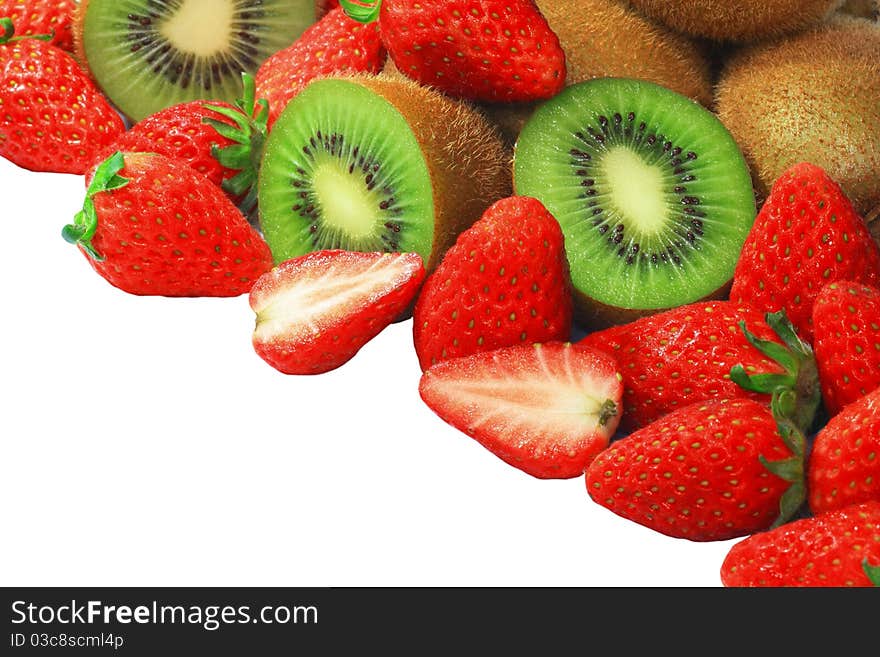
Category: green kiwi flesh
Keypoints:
(149, 54)
(653, 195)
(342, 169)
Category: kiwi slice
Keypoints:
(377, 163)
(814, 96)
(653, 195)
(148, 54)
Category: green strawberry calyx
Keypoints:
(8, 35)
(250, 118)
(795, 396)
(873, 572)
(800, 375)
(106, 178)
(792, 468)
(363, 11)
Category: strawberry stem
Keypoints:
(85, 222)
(801, 374)
(363, 11)
(249, 134)
(607, 410)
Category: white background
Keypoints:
(146, 444)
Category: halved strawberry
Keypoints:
(316, 311)
(547, 409)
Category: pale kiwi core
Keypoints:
(347, 207)
(200, 27)
(637, 189)
(652, 193)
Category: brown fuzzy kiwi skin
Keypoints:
(862, 8)
(814, 96)
(604, 38)
(77, 20)
(740, 21)
(468, 162)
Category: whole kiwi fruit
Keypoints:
(741, 21)
(814, 96)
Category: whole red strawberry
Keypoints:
(835, 549)
(39, 17)
(335, 44)
(505, 281)
(846, 341)
(806, 234)
(53, 118)
(547, 409)
(316, 311)
(709, 471)
(684, 355)
(483, 50)
(151, 225)
(220, 140)
(844, 464)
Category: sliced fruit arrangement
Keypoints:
(52, 117)
(836, 549)
(706, 350)
(43, 17)
(634, 238)
(504, 282)
(335, 44)
(487, 50)
(152, 225)
(650, 189)
(844, 466)
(148, 55)
(315, 312)
(806, 235)
(846, 341)
(709, 471)
(377, 163)
(546, 409)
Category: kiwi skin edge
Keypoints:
(737, 21)
(592, 315)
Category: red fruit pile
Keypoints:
(755, 416)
